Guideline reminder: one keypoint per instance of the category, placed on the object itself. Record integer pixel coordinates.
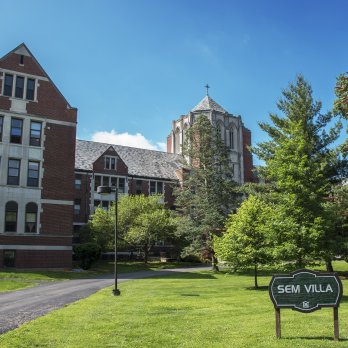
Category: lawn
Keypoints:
(182, 310)
(14, 280)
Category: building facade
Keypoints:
(37, 159)
(49, 180)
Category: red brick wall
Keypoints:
(99, 164)
(168, 194)
(59, 162)
(56, 219)
(247, 156)
(39, 239)
(144, 186)
(84, 195)
(11, 62)
(41, 259)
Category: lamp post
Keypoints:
(105, 190)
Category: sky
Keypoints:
(133, 66)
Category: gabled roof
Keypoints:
(140, 162)
(24, 50)
(208, 103)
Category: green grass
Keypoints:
(182, 310)
(11, 285)
(22, 279)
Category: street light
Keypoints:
(105, 190)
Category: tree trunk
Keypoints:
(214, 263)
(255, 276)
(146, 256)
(329, 266)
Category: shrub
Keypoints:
(87, 254)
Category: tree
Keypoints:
(298, 160)
(102, 224)
(144, 220)
(341, 103)
(207, 193)
(247, 240)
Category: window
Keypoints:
(106, 181)
(16, 130)
(110, 162)
(9, 258)
(77, 206)
(122, 185)
(30, 89)
(138, 187)
(78, 181)
(21, 59)
(31, 218)
(156, 187)
(231, 139)
(35, 133)
(13, 171)
(97, 182)
(105, 205)
(11, 211)
(19, 87)
(113, 181)
(159, 187)
(1, 126)
(152, 187)
(8, 85)
(33, 174)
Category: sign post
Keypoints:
(306, 291)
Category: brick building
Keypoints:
(37, 158)
(49, 180)
(132, 170)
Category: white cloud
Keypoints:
(126, 139)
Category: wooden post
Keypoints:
(336, 328)
(277, 317)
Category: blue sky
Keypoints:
(132, 66)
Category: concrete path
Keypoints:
(20, 306)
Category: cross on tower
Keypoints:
(207, 87)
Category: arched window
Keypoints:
(31, 217)
(177, 148)
(11, 211)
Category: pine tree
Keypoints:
(207, 193)
(299, 160)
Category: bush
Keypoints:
(87, 254)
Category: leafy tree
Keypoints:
(247, 240)
(298, 160)
(207, 192)
(143, 220)
(102, 224)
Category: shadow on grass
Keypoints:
(313, 338)
(183, 275)
(260, 288)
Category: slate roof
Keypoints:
(140, 162)
(208, 103)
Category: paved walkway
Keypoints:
(20, 306)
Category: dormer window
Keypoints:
(110, 162)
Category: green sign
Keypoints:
(305, 290)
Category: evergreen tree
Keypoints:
(207, 193)
(299, 160)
